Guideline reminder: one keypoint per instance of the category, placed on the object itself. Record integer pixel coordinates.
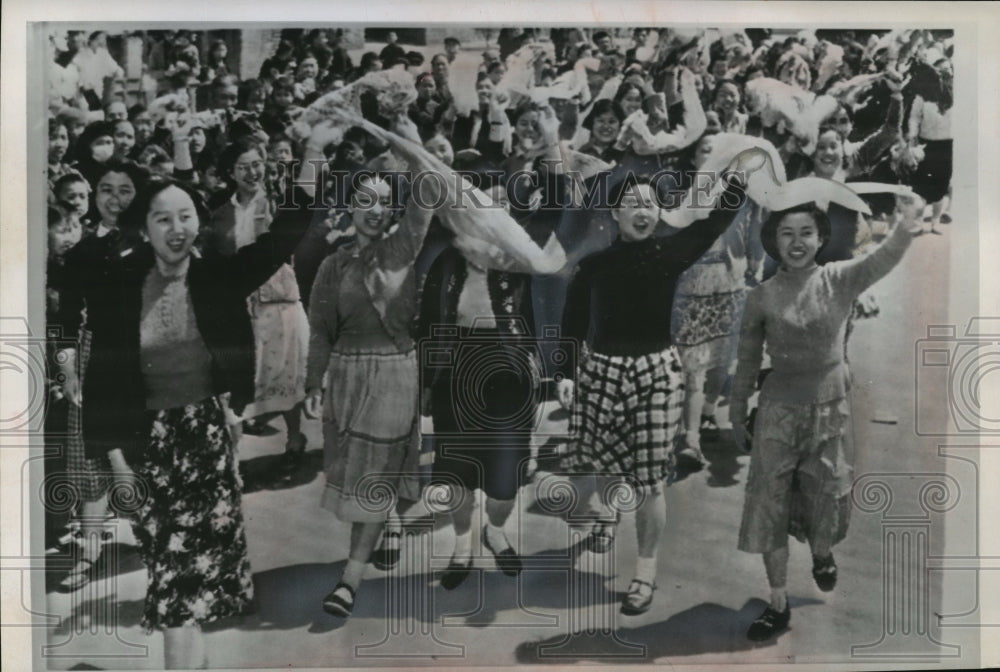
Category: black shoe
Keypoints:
(634, 603)
(386, 558)
(690, 458)
(825, 573)
(709, 425)
(336, 604)
(455, 574)
(770, 623)
(602, 537)
(507, 560)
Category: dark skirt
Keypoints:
(932, 177)
(189, 524)
(484, 410)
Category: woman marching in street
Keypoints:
(801, 467)
(487, 398)
(630, 387)
(84, 318)
(176, 338)
(363, 302)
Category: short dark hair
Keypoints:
(600, 107)
(452, 40)
(234, 150)
(769, 232)
(69, 178)
(135, 172)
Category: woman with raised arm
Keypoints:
(801, 469)
(630, 382)
(363, 302)
(176, 340)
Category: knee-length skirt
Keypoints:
(626, 416)
(371, 440)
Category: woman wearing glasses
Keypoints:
(281, 328)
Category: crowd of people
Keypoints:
(210, 273)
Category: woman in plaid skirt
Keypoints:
(630, 382)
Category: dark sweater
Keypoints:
(114, 408)
(620, 299)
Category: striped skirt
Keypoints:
(371, 439)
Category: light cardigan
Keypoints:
(802, 316)
(390, 282)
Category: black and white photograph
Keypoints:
(407, 337)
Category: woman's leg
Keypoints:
(364, 536)
(694, 401)
(776, 566)
(715, 380)
(91, 528)
(497, 513)
(650, 519)
(184, 648)
(92, 525)
(461, 521)
(295, 441)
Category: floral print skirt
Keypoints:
(189, 525)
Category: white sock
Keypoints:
(496, 537)
(463, 547)
(708, 408)
(645, 569)
(779, 599)
(693, 439)
(354, 572)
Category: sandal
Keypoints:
(82, 573)
(602, 537)
(825, 573)
(386, 558)
(340, 601)
(635, 602)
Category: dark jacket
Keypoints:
(114, 410)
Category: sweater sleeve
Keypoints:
(576, 314)
(71, 294)
(748, 357)
(857, 275)
(684, 248)
(253, 264)
(322, 322)
(878, 143)
(403, 245)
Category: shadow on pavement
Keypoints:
(276, 472)
(705, 628)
